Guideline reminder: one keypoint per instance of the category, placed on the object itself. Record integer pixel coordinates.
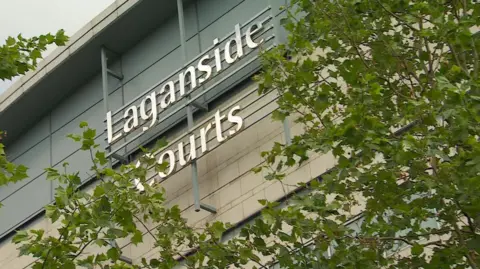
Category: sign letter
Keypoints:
(252, 30)
(153, 112)
(131, 121)
(171, 163)
(110, 137)
(238, 41)
(235, 119)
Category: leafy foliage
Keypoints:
(9, 172)
(19, 55)
(91, 222)
(389, 88)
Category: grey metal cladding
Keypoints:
(36, 159)
(80, 101)
(77, 103)
(148, 62)
(223, 25)
(210, 10)
(115, 101)
(30, 138)
(23, 204)
(153, 74)
(62, 146)
(151, 50)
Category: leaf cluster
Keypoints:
(19, 55)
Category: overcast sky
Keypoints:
(34, 17)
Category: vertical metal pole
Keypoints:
(196, 191)
(181, 22)
(104, 60)
(104, 79)
(276, 25)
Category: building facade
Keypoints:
(145, 69)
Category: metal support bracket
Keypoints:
(115, 74)
(200, 106)
(105, 72)
(208, 208)
(126, 260)
(123, 258)
(119, 157)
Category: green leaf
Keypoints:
(20, 236)
(154, 263)
(137, 237)
(257, 169)
(101, 242)
(444, 83)
(474, 243)
(10, 41)
(263, 202)
(116, 232)
(217, 229)
(99, 191)
(417, 249)
(52, 212)
(161, 143)
(68, 264)
(76, 138)
(113, 254)
(100, 155)
(100, 258)
(35, 54)
(278, 115)
(89, 134)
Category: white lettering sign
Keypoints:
(196, 75)
(182, 157)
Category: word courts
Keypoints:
(184, 157)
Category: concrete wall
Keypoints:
(154, 58)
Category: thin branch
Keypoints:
(226, 250)
(61, 236)
(470, 225)
(86, 245)
(429, 71)
(457, 60)
(285, 73)
(397, 17)
(470, 259)
(475, 60)
(412, 73)
(145, 226)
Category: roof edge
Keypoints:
(61, 54)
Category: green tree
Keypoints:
(90, 223)
(390, 88)
(17, 56)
